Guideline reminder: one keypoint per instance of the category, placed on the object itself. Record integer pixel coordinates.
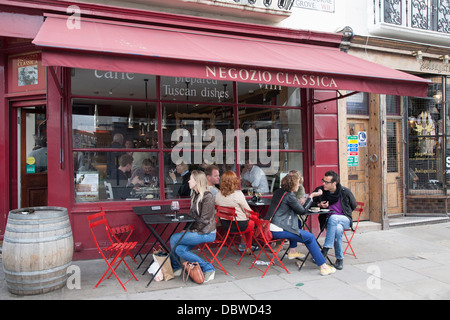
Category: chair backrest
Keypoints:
(96, 220)
(359, 208)
(109, 191)
(226, 213)
(271, 182)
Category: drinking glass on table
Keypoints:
(175, 206)
(155, 181)
(250, 192)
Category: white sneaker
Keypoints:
(177, 273)
(209, 276)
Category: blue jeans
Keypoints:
(335, 228)
(183, 250)
(307, 238)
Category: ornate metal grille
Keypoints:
(433, 15)
(393, 11)
(419, 14)
(443, 9)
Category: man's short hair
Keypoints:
(125, 159)
(209, 169)
(334, 175)
(147, 162)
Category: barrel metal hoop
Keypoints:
(42, 220)
(58, 227)
(38, 240)
(37, 273)
(39, 288)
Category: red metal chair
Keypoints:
(119, 250)
(123, 234)
(271, 248)
(222, 238)
(229, 213)
(351, 231)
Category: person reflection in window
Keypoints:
(113, 157)
(183, 170)
(145, 175)
(253, 176)
(119, 178)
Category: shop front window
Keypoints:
(426, 128)
(358, 104)
(138, 136)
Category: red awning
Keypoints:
(17, 25)
(114, 46)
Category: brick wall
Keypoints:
(425, 205)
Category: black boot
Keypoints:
(325, 252)
(339, 264)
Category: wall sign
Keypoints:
(271, 77)
(261, 4)
(26, 73)
(362, 139)
(319, 5)
(353, 151)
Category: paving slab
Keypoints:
(408, 263)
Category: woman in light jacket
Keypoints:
(285, 223)
(231, 196)
(202, 231)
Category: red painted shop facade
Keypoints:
(77, 95)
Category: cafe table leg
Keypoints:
(156, 235)
(170, 253)
(317, 239)
(163, 244)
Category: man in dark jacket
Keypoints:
(118, 178)
(341, 202)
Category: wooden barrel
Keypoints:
(37, 250)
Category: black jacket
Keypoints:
(184, 190)
(348, 202)
(286, 216)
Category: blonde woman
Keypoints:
(300, 194)
(202, 231)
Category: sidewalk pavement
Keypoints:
(402, 264)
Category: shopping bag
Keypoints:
(152, 270)
(167, 270)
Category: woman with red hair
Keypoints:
(231, 196)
